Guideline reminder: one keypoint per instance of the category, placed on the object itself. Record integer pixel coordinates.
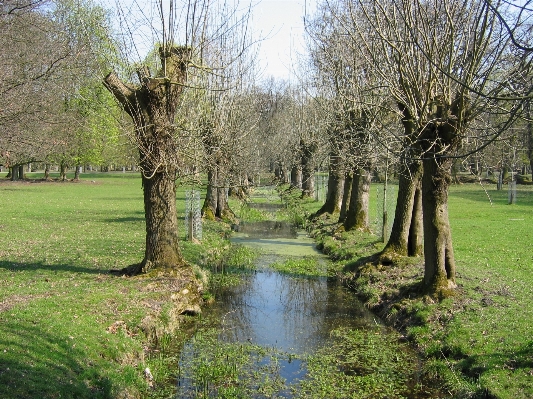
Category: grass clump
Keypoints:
(213, 368)
(371, 365)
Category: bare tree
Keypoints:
(154, 100)
(446, 64)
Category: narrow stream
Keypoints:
(290, 316)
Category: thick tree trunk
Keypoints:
(216, 199)
(357, 216)
(62, 171)
(162, 248)
(296, 176)
(406, 234)
(439, 272)
(348, 179)
(13, 173)
(152, 106)
(439, 139)
(209, 208)
(335, 192)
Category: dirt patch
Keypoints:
(14, 300)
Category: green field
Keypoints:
(480, 342)
(69, 329)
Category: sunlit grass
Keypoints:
(67, 327)
(479, 341)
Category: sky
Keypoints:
(280, 22)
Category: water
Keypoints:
(291, 316)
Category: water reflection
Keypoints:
(289, 313)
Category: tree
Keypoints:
(152, 107)
(48, 57)
(445, 77)
(154, 102)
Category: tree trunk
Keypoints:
(21, 172)
(334, 195)
(308, 168)
(162, 248)
(357, 216)
(296, 176)
(47, 171)
(415, 244)
(439, 272)
(216, 199)
(406, 234)
(439, 139)
(529, 136)
(152, 106)
(13, 173)
(209, 209)
(348, 179)
(63, 171)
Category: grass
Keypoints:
(67, 328)
(478, 343)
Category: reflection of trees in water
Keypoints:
(286, 312)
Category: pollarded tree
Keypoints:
(153, 102)
(152, 106)
(446, 64)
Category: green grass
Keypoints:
(480, 341)
(67, 328)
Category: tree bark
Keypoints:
(439, 139)
(335, 192)
(62, 171)
(406, 234)
(152, 106)
(296, 176)
(439, 271)
(357, 216)
(308, 151)
(348, 179)
(216, 199)
(162, 248)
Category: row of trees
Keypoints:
(419, 84)
(54, 108)
(425, 83)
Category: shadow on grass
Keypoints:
(475, 365)
(19, 266)
(37, 364)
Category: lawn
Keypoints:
(480, 342)
(67, 327)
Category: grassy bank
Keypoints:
(480, 341)
(67, 327)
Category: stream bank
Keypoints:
(296, 334)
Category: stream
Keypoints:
(268, 325)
